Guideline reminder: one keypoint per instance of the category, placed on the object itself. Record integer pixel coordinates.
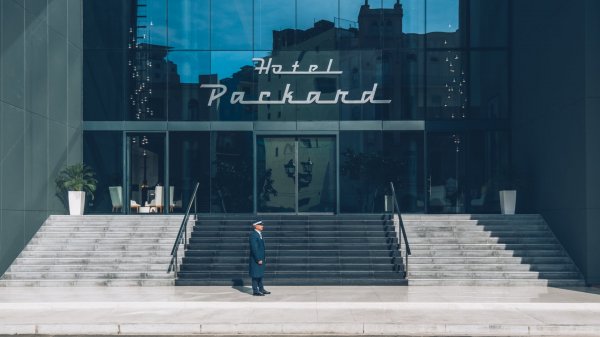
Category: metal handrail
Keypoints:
(182, 234)
(401, 229)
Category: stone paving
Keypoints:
(400, 311)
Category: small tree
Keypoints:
(77, 177)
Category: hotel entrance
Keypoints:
(296, 174)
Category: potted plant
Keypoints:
(76, 181)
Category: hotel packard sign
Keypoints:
(313, 97)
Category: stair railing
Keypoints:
(182, 234)
(401, 230)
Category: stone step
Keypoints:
(486, 246)
(98, 261)
(290, 260)
(338, 281)
(476, 234)
(292, 253)
(106, 235)
(438, 227)
(473, 240)
(486, 253)
(91, 267)
(442, 274)
(96, 229)
(94, 254)
(60, 275)
(455, 267)
(499, 282)
(101, 241)
(489, 260)
(291, 241)
(101, 247)
(317, 275)
(296, 234)
(279, 267)
(115, 282)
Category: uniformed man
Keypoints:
(256, 261)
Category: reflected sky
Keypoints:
(234, 28)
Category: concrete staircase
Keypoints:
(487, 250)
(300, 250)
(90, 250)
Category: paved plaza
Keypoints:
(403, 311)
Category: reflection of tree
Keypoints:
(232, 184)
(267, 188)
(371, 174)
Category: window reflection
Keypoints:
(231, 23)
(231, 172)
(189, 24)
(489, 84)
(103, 151)
(445, 24)
(270, 16)
(234, 70)
(447, 85)
(187, 101)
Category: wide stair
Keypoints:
(300, 250)
(89, 250)
(487, 250)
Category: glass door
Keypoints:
(446, 176)
(296, 174)
(146, 172)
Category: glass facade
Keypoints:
(298, 105)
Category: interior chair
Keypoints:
(157, 202)
(437, 197)
(116, 198)
(481, 200)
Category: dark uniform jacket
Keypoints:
(257, 253)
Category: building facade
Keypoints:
(451, 100)
(411, 92)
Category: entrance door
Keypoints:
(296, 174)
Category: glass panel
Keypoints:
(489, 23)
(489, 84)
(404, 166)
(151, 24)
(413, 22)
(189, 24)
(276, 174)
(189, 163)
(235, 71)
(106, 24)
(231, 23)
(147, 90)
(361, 163)
(446, 172)
(275, 85)
(231, 172)
(274, 17)
(488, 161)
(104, 88)
(103, 152)
(146, 172)
(315, 24)
(316, 171)
(447, 85)
(187, 101)
(445, 23)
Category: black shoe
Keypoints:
(265, 292)
(258, 294)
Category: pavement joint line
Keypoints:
(190, 305)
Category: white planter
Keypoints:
(76, 202)
(508, 200)
(388, 203)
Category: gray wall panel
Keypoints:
(13, 46)
(40, 113)
(554, 121)
(36, 65)
(57, 73)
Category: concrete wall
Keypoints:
(556, 118)
(40, 112)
